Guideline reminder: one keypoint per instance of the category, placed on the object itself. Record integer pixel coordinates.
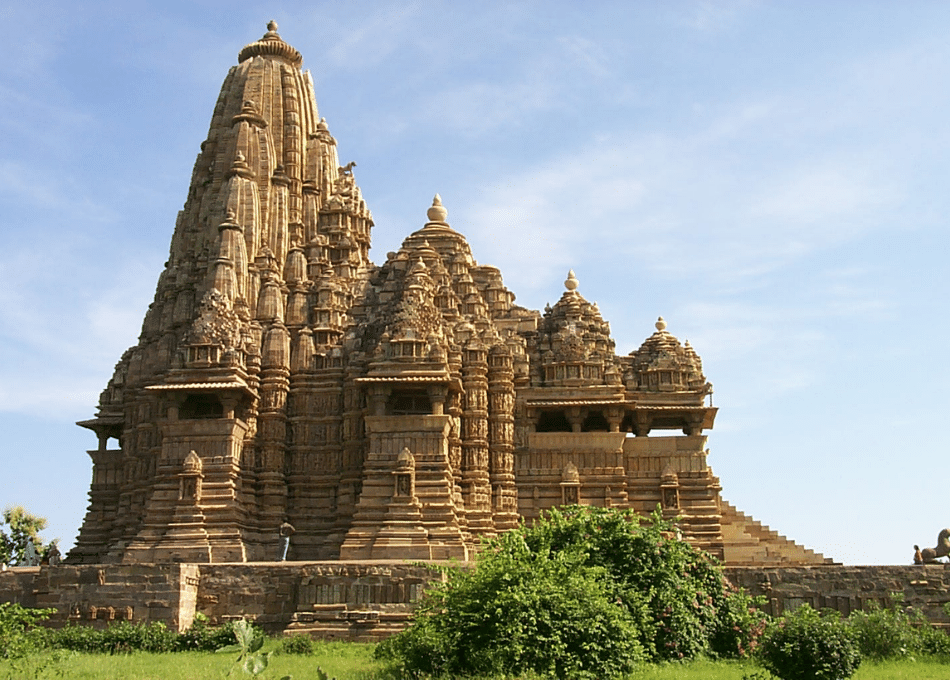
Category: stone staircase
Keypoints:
(747, 541)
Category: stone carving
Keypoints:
(931, 555)
(53, 556)
(31, 557)
(300, 369)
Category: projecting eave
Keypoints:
(444, 378)
(219, 386)
(102, 422)
(675, 417)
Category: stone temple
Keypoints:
(394, 411)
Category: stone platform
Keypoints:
(367, 601)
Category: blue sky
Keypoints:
(768, 176)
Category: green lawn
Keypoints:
(343, 660)
(355, 662)
(728, 670)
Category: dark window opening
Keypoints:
(553, 421)
(595, 422)
(200, 406)
(407, 403)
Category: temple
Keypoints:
(394, 411)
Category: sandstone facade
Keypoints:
(393, 411)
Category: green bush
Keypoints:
(124, 637)
(19, 635)
(585, 592)
(120, 638)
(934, 642)
(675, 593)
(886, 633)
(805, 645)
(297, 644)
(741, 624)
(204, 638)
(519, 611)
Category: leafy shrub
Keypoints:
(886, 633)
(520, 611)
(741, 624)
(673, 592)
(18, 634)
(75, 638)
(119, 638)
(804, 645)
(585, 592)
(204, 638)
(297, 644)
(934, 642)
(249, 639)
(124, 637)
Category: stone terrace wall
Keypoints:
(847, 589)
(99, 594)
(362, 601)
(370, 600)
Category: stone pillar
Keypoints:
(501, 400)
(476, 483)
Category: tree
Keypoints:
(18, 528)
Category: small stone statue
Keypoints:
(931, 555)
(53, 555)
(285, 531)
(30, 557)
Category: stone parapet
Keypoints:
(97, 595)
(359, 601)
(367, 601)
(849, 588)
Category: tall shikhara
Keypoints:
(394, 411)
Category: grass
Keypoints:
(733, 670)
(349, 661)
(346, 661)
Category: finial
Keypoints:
(660, 324)
(571, 282)
(239, 166)
(271, 46)
(437, 213)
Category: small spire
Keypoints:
(437, 213)
(419, 267)
(571, 282)
(660, 324)
(272, 26)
